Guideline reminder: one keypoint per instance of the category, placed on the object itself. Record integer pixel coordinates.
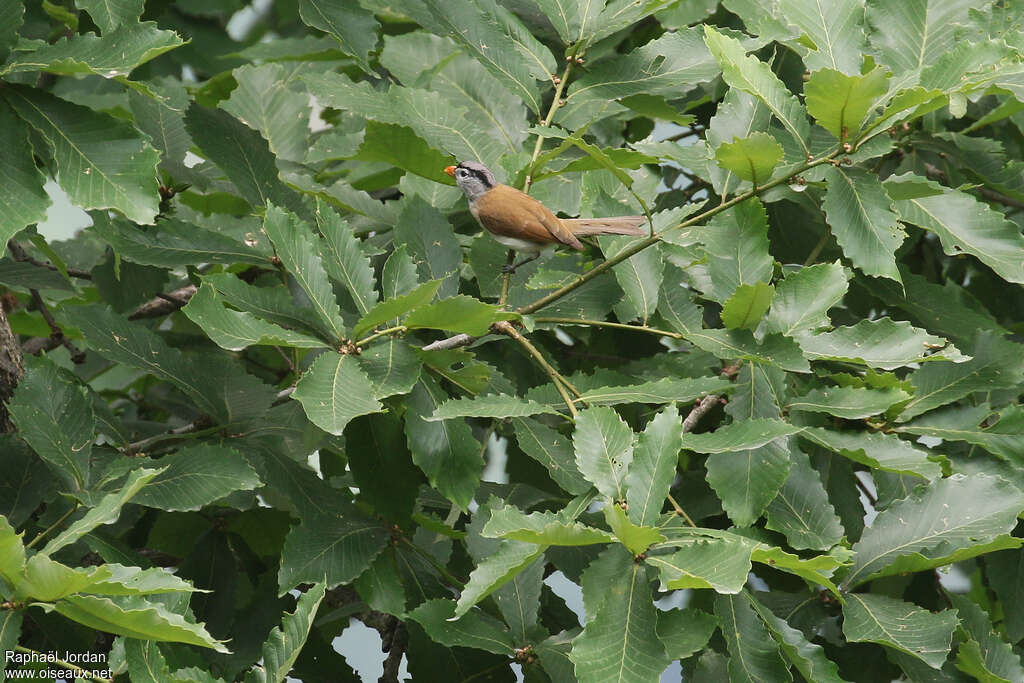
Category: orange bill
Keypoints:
(450, 170)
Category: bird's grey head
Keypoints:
(473, 178)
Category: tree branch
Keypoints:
(12, 369)
(162, 304)
(18, 254)
(56, 333)
(936, 173)
(699, 411)
(561, 384)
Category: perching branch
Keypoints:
(162, 304)
(561, 384)
(19, 254)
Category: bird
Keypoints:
(518, 221)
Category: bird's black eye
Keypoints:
(461, 172)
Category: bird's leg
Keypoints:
(511, 268)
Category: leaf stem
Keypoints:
(397, 329)
(640, 245)
(447, 575)
(679, 510)
(560, 382)
(53, 526)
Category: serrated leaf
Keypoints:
(835, 28)
(665, 390)
(860, 214)
(737, 247)
(334, 548)
(270, 303)
(114, 55)
(334, 390)
(755, 77)
(809, 658)
(352, 26)
(881, 343)
(876, 450)
(996, 363)
(264, 101)
(134, 617)
(965, 225)
(753, 654)
(55, 417)
(752, 158)
(574, 20)
(639, 276)
(747, 480)
(840, 103)
(900, 625)
(103, 163)
(396, 306)
(739, 436)
(197, 476)
(12, 16)
(122, 580)
(685, 631)
(393, 367)
(964, 423)
(109, 14)
(910, 35)
(803, 299)
(851, 403)
(236, 330)
(953, 513)
(541, 528)
(344, 260)
(653, 469)
(748, 304)
(636, 538)
(739, 115)
(492, 405)
(720, 561)
(106, 511)
(295, 247)
(985, 655)
(553, 451)
(22, 197)
(285, 642)
(802, 510)
(459, 313)
(496, 570)
(474, 629)
(620, 643)
(604, 450)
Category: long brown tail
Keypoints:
(615, 225)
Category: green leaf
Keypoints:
(959, 512)
(236, 330)
(495, 570)
(665, 390)
(519, 602)
(243, 156)
(46, 580)
(802, 510)
(541, 528)
(748, 304)
(755, 77)
(753, 654)
(739, 115)
(397, 306)
(392, 366)
(839, 102)
(274, 304)
(114, 55)
(886, 452)
(334, 390)
(653, 469)
(401, 147)
(752, 158)
(122, 580)
(553, 451)
(28, 480)
(352, 26)
(747, 480)
(492, 405)
(285, 642)
(22, 198)
(639, 276)
(334, 548)
(116, 167)
(197, 476)
(109, 14)
(851, 403)
(265, 102)
(803, 299)
(636, 538)
(997, 363)
(774, 349)
(106, 511)
(860, 214)
(962, 423)
(685, 631)
(446, 451)
(460, 313)
(574, 20)
(174, 243)
(739, 436)
(910, 35)
(737, 247)
(869, 618)
(295, 248)
(474, 629)
(604, 450)
(985, 655)
(344, 260)
(817, 570)
(809, 658)
(720, 562)
(12, 559)
(12, 16)
(835, 29)
(882, 343)
(620, 643)
(965, 225)
(55, 417)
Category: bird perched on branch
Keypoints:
(520, 222)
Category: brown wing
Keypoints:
(508, 212)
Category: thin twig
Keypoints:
(936, 173)
(162, 304)
(18, 254)
(397, 329)
(450, 343)
(691, 131)
(56, 333)
(53, 526)
(679, 510)
(699, 411)
(504, 327)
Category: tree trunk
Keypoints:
(12, 369)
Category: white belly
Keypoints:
(531, 248)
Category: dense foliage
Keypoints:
(280, 357)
